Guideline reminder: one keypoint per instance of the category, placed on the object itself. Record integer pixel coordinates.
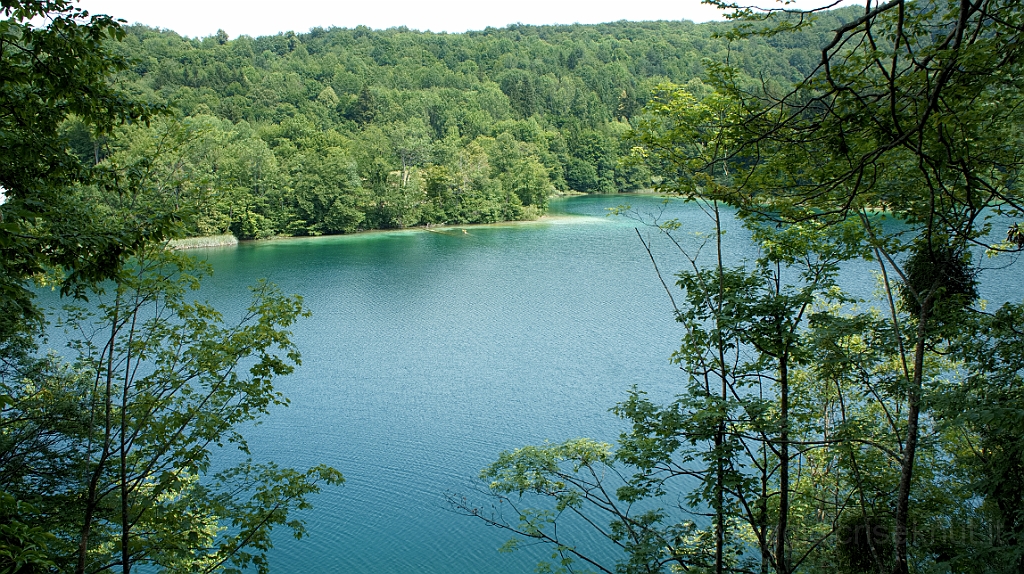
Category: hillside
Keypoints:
(339, 130)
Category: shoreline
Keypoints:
(203, 242)
(229, 240)
(446, 229)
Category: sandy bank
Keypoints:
(200, 242)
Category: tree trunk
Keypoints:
(781, 534)
(91, 501)
(907, 464)
(720, 435)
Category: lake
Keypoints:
(428, 353)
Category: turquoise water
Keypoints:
(428, 353)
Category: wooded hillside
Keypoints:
(339, 130)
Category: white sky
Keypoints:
(200, 18)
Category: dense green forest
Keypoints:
(339, 130)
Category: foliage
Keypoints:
(106, 453)
(115, 449)
(53, 73)
(23, 548)
(898, 116)
(816, 432)
(340, 130)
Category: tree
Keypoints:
(878, 408)
(913, 108)
(518, 86)
(105, 460)
(328, 194)
(735, 446)
(742, 346)
(982, 411)
(56, 66)
(126, 475)
(395, 96)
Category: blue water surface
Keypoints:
(430, 352)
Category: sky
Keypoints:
(201, 18)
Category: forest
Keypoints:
(825, 433)
(340, 130)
